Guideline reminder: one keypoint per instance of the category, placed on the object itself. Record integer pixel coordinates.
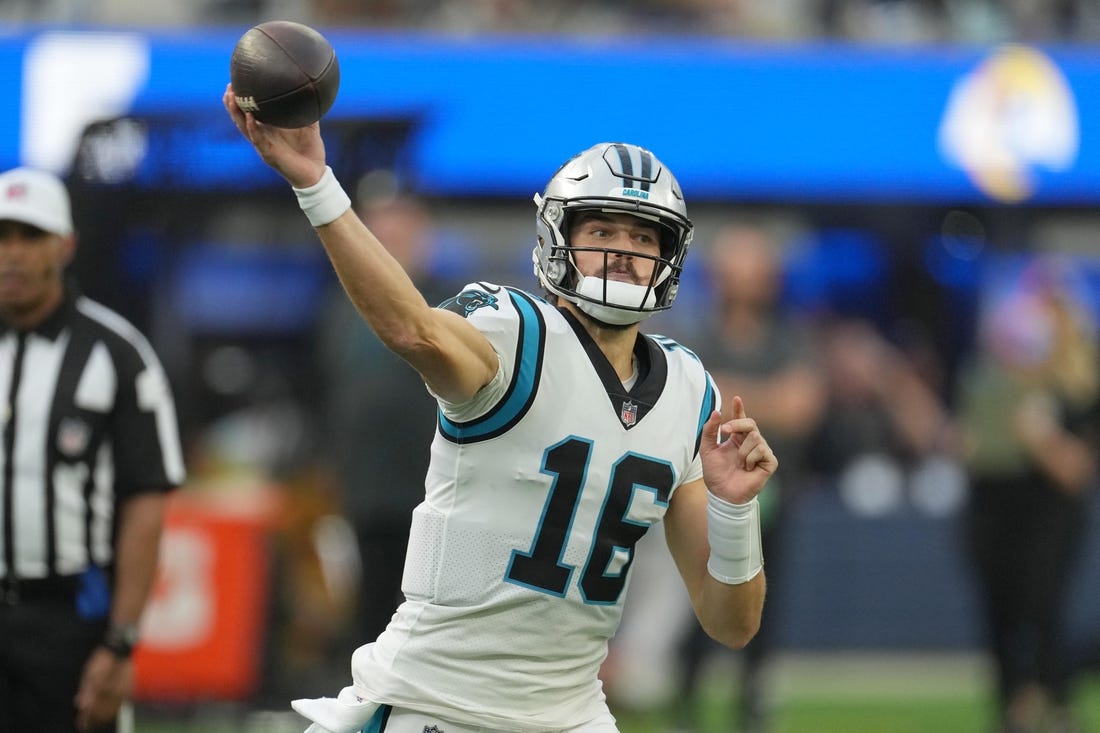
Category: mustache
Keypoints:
(624, 268)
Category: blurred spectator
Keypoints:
(1030, 406)
(980, 21)
(1044, 20)
(386, 13)
(885, 421)
(759, 351)
(898, 21)
(380, 418)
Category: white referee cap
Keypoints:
(37, 198)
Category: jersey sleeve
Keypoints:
(491, 310)
(711, 400)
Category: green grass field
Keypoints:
(819, 694)
(865, 694)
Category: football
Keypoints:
(284, 73)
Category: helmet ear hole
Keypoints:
(555, 271)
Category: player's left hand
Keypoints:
(738, 461)
(106, 683)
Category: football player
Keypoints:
(564, 435)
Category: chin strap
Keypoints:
(615, 293)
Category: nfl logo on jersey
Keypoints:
(432, 729)
(629, 413)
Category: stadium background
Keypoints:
(901, 190)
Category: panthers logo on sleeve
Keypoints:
(469, 301)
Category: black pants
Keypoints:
(43, 648)
(1024, 539)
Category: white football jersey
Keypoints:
(537, 492)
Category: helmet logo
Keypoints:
(634, 193)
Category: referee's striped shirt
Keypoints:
(88, 419)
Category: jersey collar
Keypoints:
(634, 404)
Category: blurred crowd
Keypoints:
(877, 21)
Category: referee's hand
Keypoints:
(106, 683)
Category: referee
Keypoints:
(89, 449)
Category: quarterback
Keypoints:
(564, 435)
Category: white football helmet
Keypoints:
(613, 178)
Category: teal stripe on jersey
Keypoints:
(377, 723)
(521, 391)
(709, 401)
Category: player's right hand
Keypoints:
(298, 155)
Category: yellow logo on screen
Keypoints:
(1012, 115)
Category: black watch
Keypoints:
(121, 639)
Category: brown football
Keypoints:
(284, 73)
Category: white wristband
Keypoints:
(734, 534)
(325, 201)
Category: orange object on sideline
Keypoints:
(204, 626)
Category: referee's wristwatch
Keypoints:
(121, 639)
